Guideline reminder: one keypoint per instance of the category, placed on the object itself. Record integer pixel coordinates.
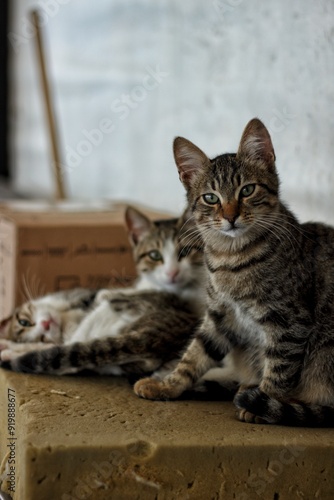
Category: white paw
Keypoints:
(14, 349)
(6, 344)
(103, 295)
(9, 355)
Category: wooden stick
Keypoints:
(60, 189)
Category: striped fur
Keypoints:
(270, 289)
(137, 330)
(143, 346)
(253, 402)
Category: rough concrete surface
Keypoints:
(92, 438)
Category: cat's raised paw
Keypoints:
(150, 388)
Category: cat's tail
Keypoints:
(71, 358)
(56, 360)
(256, 406)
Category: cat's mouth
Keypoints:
(51, 330)
(173, 283)
(233, 231)
(176, 283)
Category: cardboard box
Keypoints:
(45, 248)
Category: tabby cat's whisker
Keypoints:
(270, 289)
(275, 224)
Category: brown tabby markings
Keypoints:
(136, 330)
(166, 256)
(270, 289)
(148, 344)
(54, 317)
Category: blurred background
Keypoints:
(129, 75)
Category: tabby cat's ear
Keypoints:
(4, 327)
(256, 143)
(138, 224)
(189, 159)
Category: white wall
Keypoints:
(221, 62)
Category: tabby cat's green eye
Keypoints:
(155, 255)
(247, 190)
(211, 199)
(24, 322)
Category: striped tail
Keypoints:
(54, 360)
(67, 359)
(255, 406)
(45, 361)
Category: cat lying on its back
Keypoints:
(134, 330)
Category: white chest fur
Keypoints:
(244, 318)
(104, 321)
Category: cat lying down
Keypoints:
(137, 330)
(110, 332)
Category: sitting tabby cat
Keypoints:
(270, 289)
(140, 328)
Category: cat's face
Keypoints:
(35, 321)
(44, 319)
(164, 254)
(234, 195)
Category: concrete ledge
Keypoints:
(92, 438)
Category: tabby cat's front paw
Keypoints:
(8, 350)
(150, 388)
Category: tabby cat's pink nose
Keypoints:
(46, 324)
(173, 274)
